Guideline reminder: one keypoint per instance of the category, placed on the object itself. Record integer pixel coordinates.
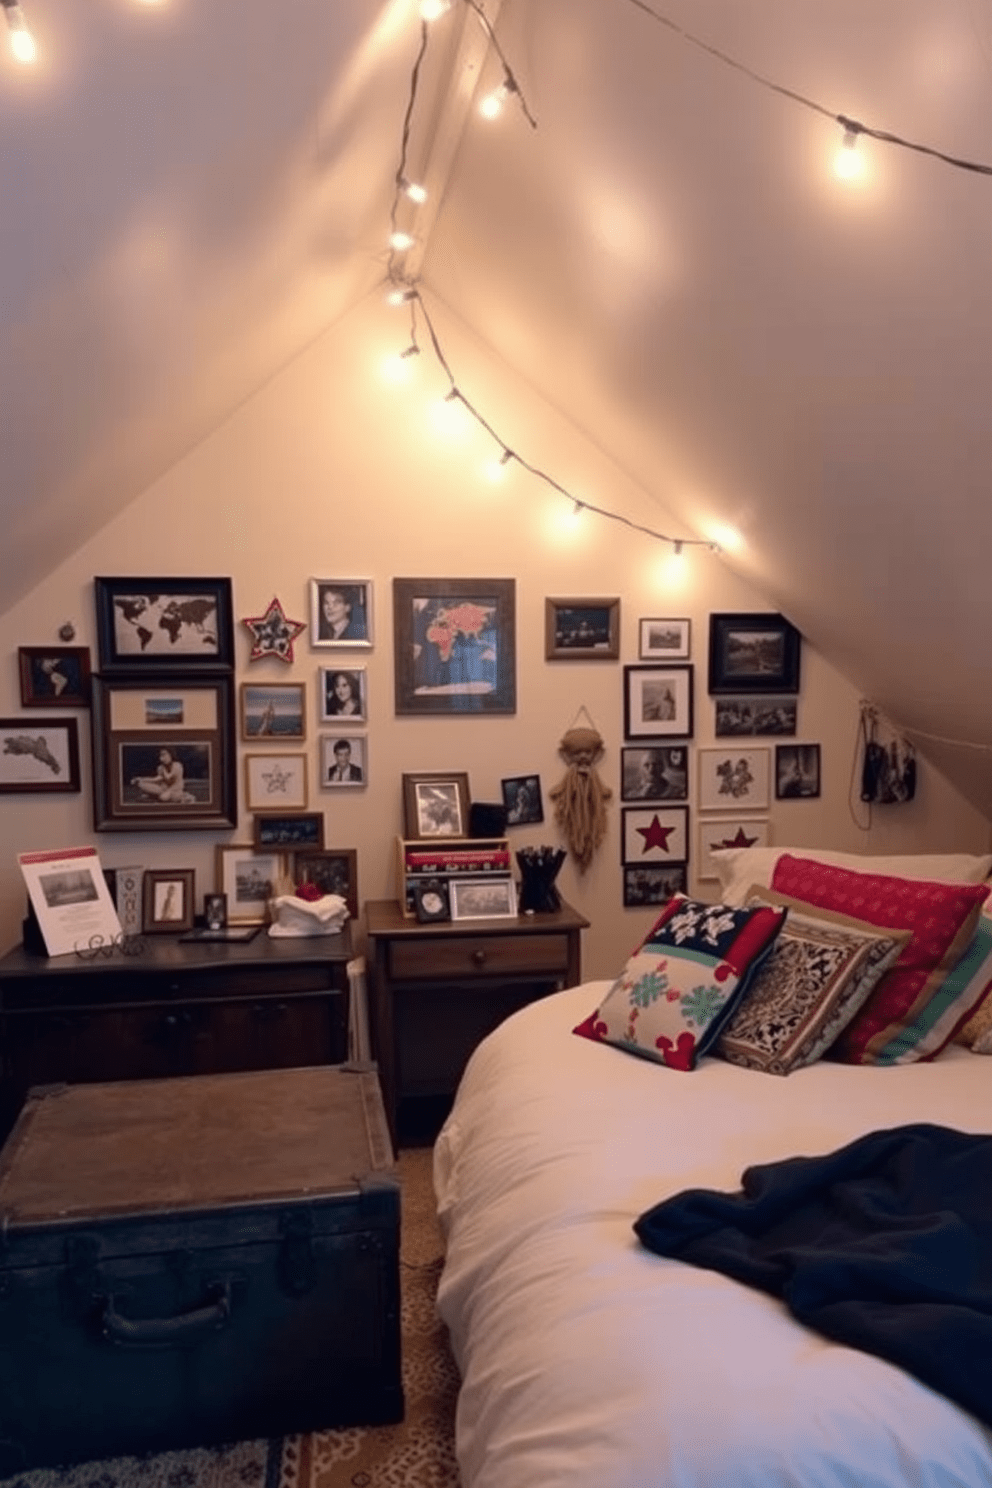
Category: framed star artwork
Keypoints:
(655, 834)
(273, 634)
(276, 782)
(715, 832)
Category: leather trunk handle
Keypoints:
(167, 1332)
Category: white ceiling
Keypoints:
(191, 192)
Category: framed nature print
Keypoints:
(249, 879)
(753, 653)
(344, 761)
(657, 702)
(715, 832)
(482, 898)
(169, 902)
(163, 753)
(288, 831)
(275, 782)
(522, 800)
(455, 646)
(581, 629)
(39, 755)
(655, 834)
(54, 676)
(333, 871)
(174, 625)
(734, 777)
(663, 640)
(653, 883)
(435, 805)
(342, 693)
(654, 772)
(797, 772)
(341, 613)
(273, 710)
(735, 717)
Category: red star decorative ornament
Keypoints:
(655, 835)
(272, 634)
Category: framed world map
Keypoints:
(164, 624)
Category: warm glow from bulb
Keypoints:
(450, 418)
(400, 241)
(22, 43)
(492, 105)
(496, 470)
(725, 537)
(432, 10)
(396, 297)
(397, 369)
(416, 192)
(849, 163)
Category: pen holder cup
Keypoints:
(537, 881)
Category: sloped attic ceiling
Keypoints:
(193, 191)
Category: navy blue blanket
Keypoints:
(885, 1244)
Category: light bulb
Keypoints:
(496, 469)
(22, 43)
(848, 163)
(397, 369)
(492, 105)
(399, 296)
(415, 192)
(400, 241)
(432, 10)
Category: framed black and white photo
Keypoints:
(343, 694)
(522, 800)
(54, 676)
(215, 911)
(737, 717)
(455, 646)
(344, 761)
(435, 804)
(289, 831)
(39, 755)
(733, 777)
(341, 613)
(715, 832)
(163, 753)
(797, 772)
(175, 625)
(333, 871)
(249, 879)
(169, 901)
(654, 772)
(581, 629)
(431, 901)
(276, 782)
(657, 702)
(274, 711)
(655, 834)
(653, 883)
(753, 653)
(482, 898)
(663, 640)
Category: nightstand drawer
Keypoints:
(478, 955)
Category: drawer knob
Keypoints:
(478, 958)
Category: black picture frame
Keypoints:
(54, 676)
(137, 719)
(654, 772)
(289, 831)
(797, 772)
(455, 646)
(653, 883)
(522, 800)
(737, 717)
(431, 902)
(581, 629)
(753, 652)
(164, 624)
(658, 701)
(39, 756)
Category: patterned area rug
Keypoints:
(416, 1453)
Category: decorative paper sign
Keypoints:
(70, 898)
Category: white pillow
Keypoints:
(740, 867)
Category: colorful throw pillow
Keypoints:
(738, 868)
(683, 982)
(893, 1026)
(970, 984)
(819, 973)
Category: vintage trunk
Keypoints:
(196, 1260)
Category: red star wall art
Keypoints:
(272, 634)
(655, 834)
(718, 832)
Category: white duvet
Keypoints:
(589, 1362)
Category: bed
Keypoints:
(587, 1360)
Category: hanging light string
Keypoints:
(852, 127)
(510, 83)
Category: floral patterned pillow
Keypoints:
(684, 981)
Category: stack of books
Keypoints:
(445, 859)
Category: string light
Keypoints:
(22, 43)
(848, 164)
(433, 10)
(401, 241)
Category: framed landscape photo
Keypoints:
(715, 832)
(657, 702)
(163, 753)
(436, 804)
(344, 761)
(289, 831)
(178, 625)
(753, 653)
(169, 902)
(797, 772)
(652, 883)
(522, 800)
(482, 898)
(734, 777)
(54, 676)
(273, 710)
(342, 694)
(249, 879)
(663, 640)
(39, 755)
(333, 871)
(275, 782)
(735, 717)
(581, 629)
(656, 772)
(455, 646)
(341, 613)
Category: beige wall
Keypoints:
(330, 472)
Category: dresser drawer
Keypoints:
(478, 955)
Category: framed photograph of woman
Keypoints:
(734, 778)
(343, 693)
(341, 613)
(274, 710)
(435, 805)
(54, 676)
(657, 702)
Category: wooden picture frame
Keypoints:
(273, 712)
(54, 676)
(333, 871)
(654, 772)
(175, 624)
(168, 898)
(581, 629)
(341, 614)
(653, 883)
(342, 695)
(753, 652)
(249, 879)
(661, 639)
(715, 832)
(654, 834)
(454, 646)
(289, 831)
(344, 761)
(658, 701)
(163, 753)
(39, 756)
(733, 779)
(435, 804)
(488, 898)
(797, 772)
(276, 782)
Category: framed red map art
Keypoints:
(455, 646)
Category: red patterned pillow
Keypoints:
(941, 916)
